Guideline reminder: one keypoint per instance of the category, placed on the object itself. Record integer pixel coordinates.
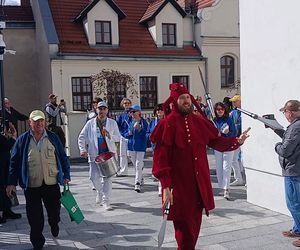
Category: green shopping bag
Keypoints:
(69, 202)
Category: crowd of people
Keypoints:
(179, 134)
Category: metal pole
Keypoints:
(2, 51)
(2, 92)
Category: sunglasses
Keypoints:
(220, 109)
(126, 103)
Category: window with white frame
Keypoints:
(81, 93)
(103, 32)
(184, 79)
(169, 34)
(148, 91)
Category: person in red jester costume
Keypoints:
(180, 163)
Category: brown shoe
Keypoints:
(296, 243)
(290, 234)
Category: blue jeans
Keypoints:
(292, 195)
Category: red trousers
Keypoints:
(187, 231)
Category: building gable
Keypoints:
(156, 7)
(89, 7)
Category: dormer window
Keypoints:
(103, 32)
(169, 34)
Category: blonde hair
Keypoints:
(123, 100)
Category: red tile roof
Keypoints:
(16, 13)
(135, 39)
(155, 7)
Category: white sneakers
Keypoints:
(99, 198)
(159, 191)
(237, 183)
(107, 206)
(226, 195)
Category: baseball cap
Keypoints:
(102, 104)
(52, 96)
(291, 105)
(135, 108)
(235, 98)
(37, 115)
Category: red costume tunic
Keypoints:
(180, 161)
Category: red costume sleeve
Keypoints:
(218, 142)
(161, 157)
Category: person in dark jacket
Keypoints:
(39, 164)
(7, 140)
(12, 115)
(288, 151)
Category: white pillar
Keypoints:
(270, 75)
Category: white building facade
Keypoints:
(270, 75)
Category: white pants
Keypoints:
(237, 165)
(137, 159)
(123, 156)
(103, 185)
(223, 167)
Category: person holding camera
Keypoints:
(54, 119)
(288, 151)
(7, 140)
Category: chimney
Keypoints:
(25, 3)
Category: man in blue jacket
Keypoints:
(39, 164)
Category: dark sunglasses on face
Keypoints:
(220, 109)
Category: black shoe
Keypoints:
(8, 214)
(55, 230)
(2, 220)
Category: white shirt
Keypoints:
(88, 139)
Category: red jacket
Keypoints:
(180, 161)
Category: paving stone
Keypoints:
(136, 218)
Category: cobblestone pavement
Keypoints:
(135, 220)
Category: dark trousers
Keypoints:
(50, 195)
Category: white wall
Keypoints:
(63, 71)
(270, 74)
(221, 19)
(169, 15)
(103, 12)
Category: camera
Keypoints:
(62, 100)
